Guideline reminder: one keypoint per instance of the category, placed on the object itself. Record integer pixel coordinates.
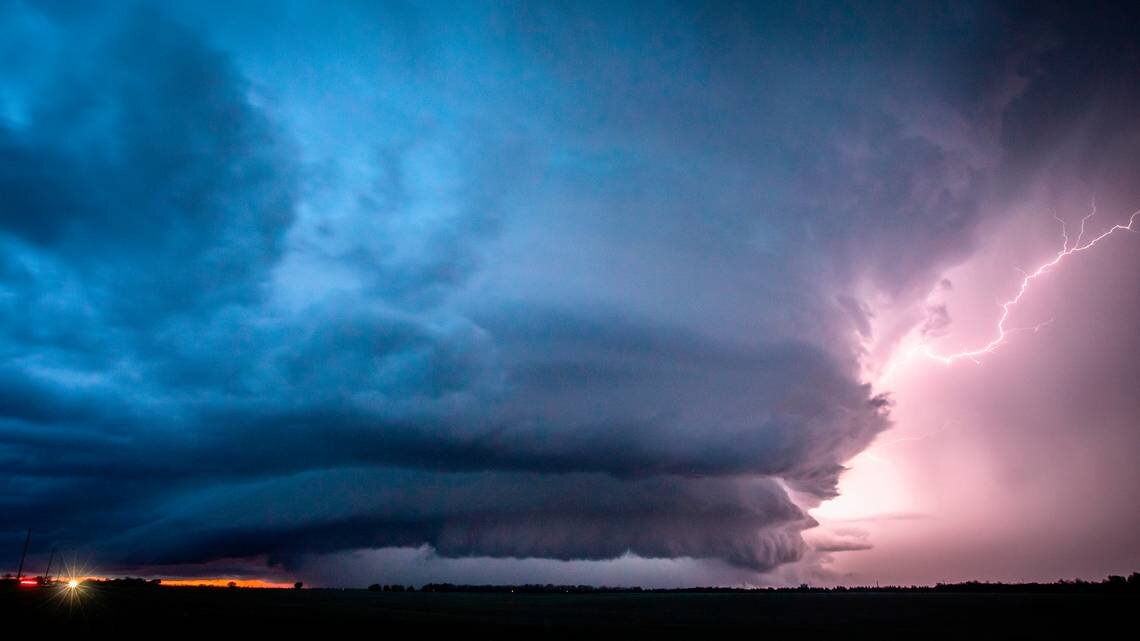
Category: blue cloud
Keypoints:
(551, 282)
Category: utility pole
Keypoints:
(20, 572)
(47, 573)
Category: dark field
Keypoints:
(166, 609)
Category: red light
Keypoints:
(28, 582)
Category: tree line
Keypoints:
(1111, 584)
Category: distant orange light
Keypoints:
(221, 583)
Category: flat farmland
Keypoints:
(161, 610)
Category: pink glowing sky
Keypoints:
(1019, 466)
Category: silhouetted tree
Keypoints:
(298, 585)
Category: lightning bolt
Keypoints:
(1002, 332)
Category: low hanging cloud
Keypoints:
(750, 523)
(584, 313)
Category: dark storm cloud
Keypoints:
(567, 283)
(750, 523)
(1072, 128)
(142, 165)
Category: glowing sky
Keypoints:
(404, 292)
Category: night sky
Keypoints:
(348, 292)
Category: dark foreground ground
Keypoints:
(161, 610)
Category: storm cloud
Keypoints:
(558, 282)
